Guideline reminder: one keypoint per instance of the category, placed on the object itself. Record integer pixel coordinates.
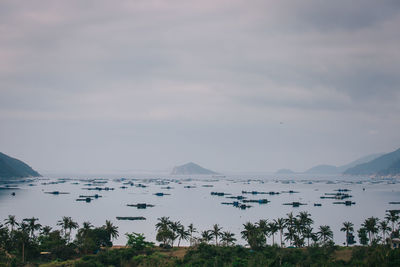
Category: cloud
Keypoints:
(235, 63)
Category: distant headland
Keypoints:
(14, 168)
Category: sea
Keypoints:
(189, 199)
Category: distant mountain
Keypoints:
(387, 164)
(360, 161)
(330, 169)
(14, 168)
(285, 171)
(323, 169)
(190, 169)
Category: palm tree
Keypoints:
(164, 232)
(298, 240)
(254, 236)
(64, 222)
(308, 233)
(263, 227)
(22, 236)
(227, 238)
(206, 236)
(67, 223)
(111, 230)
(371, 225)
(175, 226)
(182, 234)
(289, 235)
(385, 228)
(348, 228)
(273, 228)
(32, 225)
(290, 219)
(12, 222)
(325, 233)
(86, 226)
(191, 231)
(280, 224)
(392, 216)
(46, 230)
(216, 231)
(163, 222)
(298, 226)
(305, 219)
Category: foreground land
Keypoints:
(211, 255)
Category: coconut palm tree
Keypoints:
(280, 224)
(325, 233)
(64, 222)
(22, 236)
(290, 219)
(12, 222)
(393, 217)
(273, 229)
(206, 236)
(254, 236)
(216, 232)
(289, 235)
(46, 230)
(308, 233)
(182, 234)
(164, 232)
(348, 228)
(32, 226)
(371, 225)
(175, 226)
(298, 240)
(191, 230)
(86, 226)
(111, 229)
(227, 238)
(298, 226)
(385, 228)
(263, 227)
(163, 222)
(305, 219)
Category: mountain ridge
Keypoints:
(387, 164)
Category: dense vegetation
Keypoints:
(28, 241)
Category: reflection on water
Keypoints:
(191, 201)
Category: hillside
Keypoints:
(330, 169)
(387, 164)
(14, 168)
(190, 169)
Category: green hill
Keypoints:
(14, 168)
(387, 164)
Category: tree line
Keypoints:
(28, 239)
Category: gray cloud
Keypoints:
(206, 70)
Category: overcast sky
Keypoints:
(107, 86)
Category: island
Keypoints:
(191, 169)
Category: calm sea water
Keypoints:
(196, 205)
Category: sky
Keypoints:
(233, 85)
